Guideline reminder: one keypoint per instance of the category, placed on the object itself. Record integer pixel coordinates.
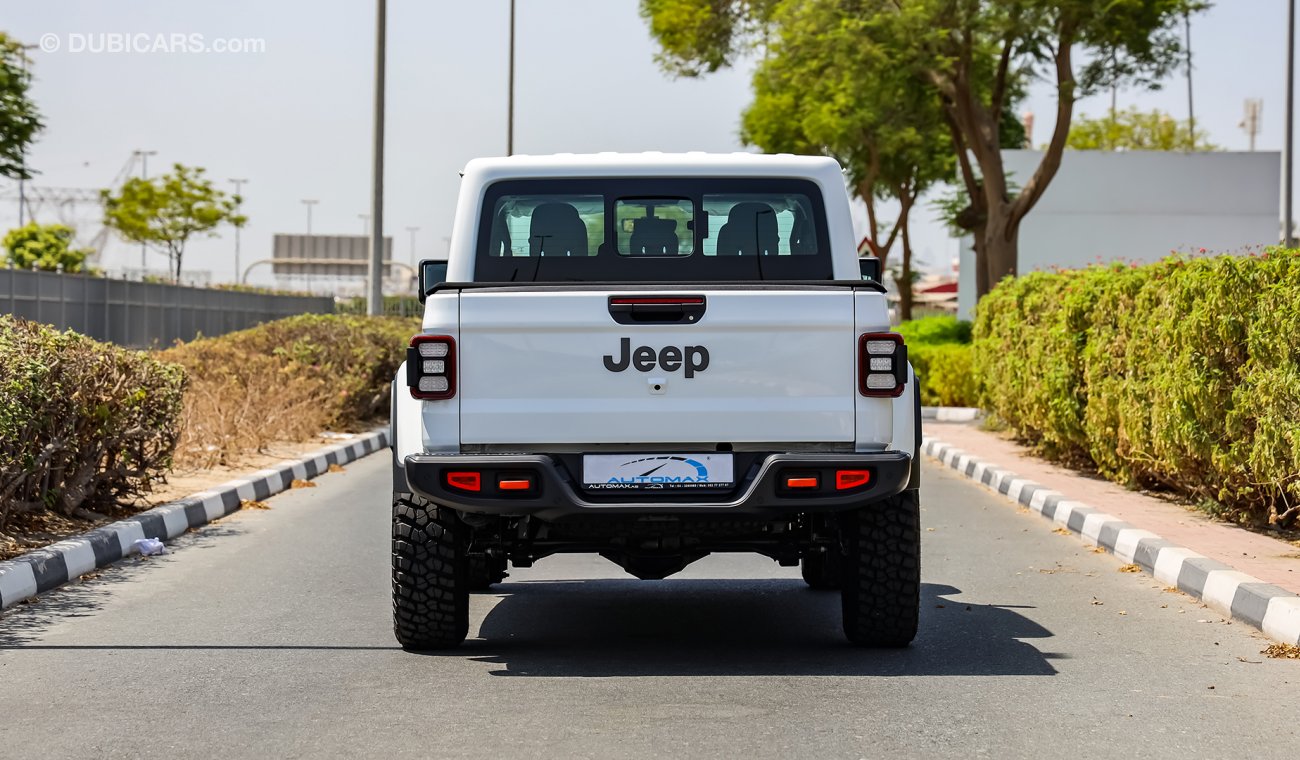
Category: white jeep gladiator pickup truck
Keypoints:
(651, 358)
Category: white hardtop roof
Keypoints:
(653, 164)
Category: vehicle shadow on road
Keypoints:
(771, 627)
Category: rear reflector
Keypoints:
(465, 481)
(801, 482)
(849, 479)
(517, 484)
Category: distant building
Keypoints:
(1139, 206)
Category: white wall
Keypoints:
(1139, 206)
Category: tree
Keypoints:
(823, 87)
(1132, 129)
(44, 246)
(20, 121)
(167, 211)
(974, 54)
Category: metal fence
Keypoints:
(141, 314)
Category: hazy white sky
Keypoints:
(295, 118)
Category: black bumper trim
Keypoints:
(557, 497)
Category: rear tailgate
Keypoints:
(554, 367)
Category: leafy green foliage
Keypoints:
(44, 246)
(20, 121)
(81, 422)
(940, 352)
(166, 212)
(1183, 374)
(1133, 129)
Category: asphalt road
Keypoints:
(268, 635)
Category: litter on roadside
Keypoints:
(148, 547)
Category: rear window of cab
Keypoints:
(652, 229)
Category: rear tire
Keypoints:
(881, 575)
(430, 578)
(821, 570)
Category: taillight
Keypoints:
(882, 364)
(431, 366)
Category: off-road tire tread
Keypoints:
(881, 579)
(430, 583)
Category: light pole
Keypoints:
(1290, 123)
(22, 155)
(239, 204)
(309, 202)
(510, 88)
(413, 230)
(144, 155)
(375, 296)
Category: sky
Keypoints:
(291, 110)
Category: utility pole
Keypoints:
(309, 202)
(1287, 237)
(239, 204)
(1191, 113)
(22, 156)
(375, 299)
(413, 230)
(144, 174)
(510, 88)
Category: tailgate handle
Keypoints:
(656, 310)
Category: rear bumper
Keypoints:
(557, 494)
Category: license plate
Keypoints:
(656, 472)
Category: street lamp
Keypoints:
(239, 204)
(510, 88)
(1287, 237)
(143, 155)
(375, 291)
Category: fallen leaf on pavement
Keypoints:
(1097, 601)
(1282, 651)
(336, 468)
(1061, 532)
(298, 483)
(250, 504)
(1130, 569)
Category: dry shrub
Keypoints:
(285, 380)
(81, 422)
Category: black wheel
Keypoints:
(881, 575)
(430, 578)
(485, 570)
(821, 570)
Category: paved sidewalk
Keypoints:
(1268, 559)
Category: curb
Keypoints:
(1270, 608)
(39, 571)
(950, 413)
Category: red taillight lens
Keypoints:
(846, 480)
(882, 364)
(515, 484)
(803, 482)
(465, 481)
(431, 367)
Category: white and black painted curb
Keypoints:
(1270, 608)
(950, 413)
(39, 571)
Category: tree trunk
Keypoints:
(905, 294)
(1001, 247)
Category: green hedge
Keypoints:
(81, 422)
(1183, 374)
(940, 352)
